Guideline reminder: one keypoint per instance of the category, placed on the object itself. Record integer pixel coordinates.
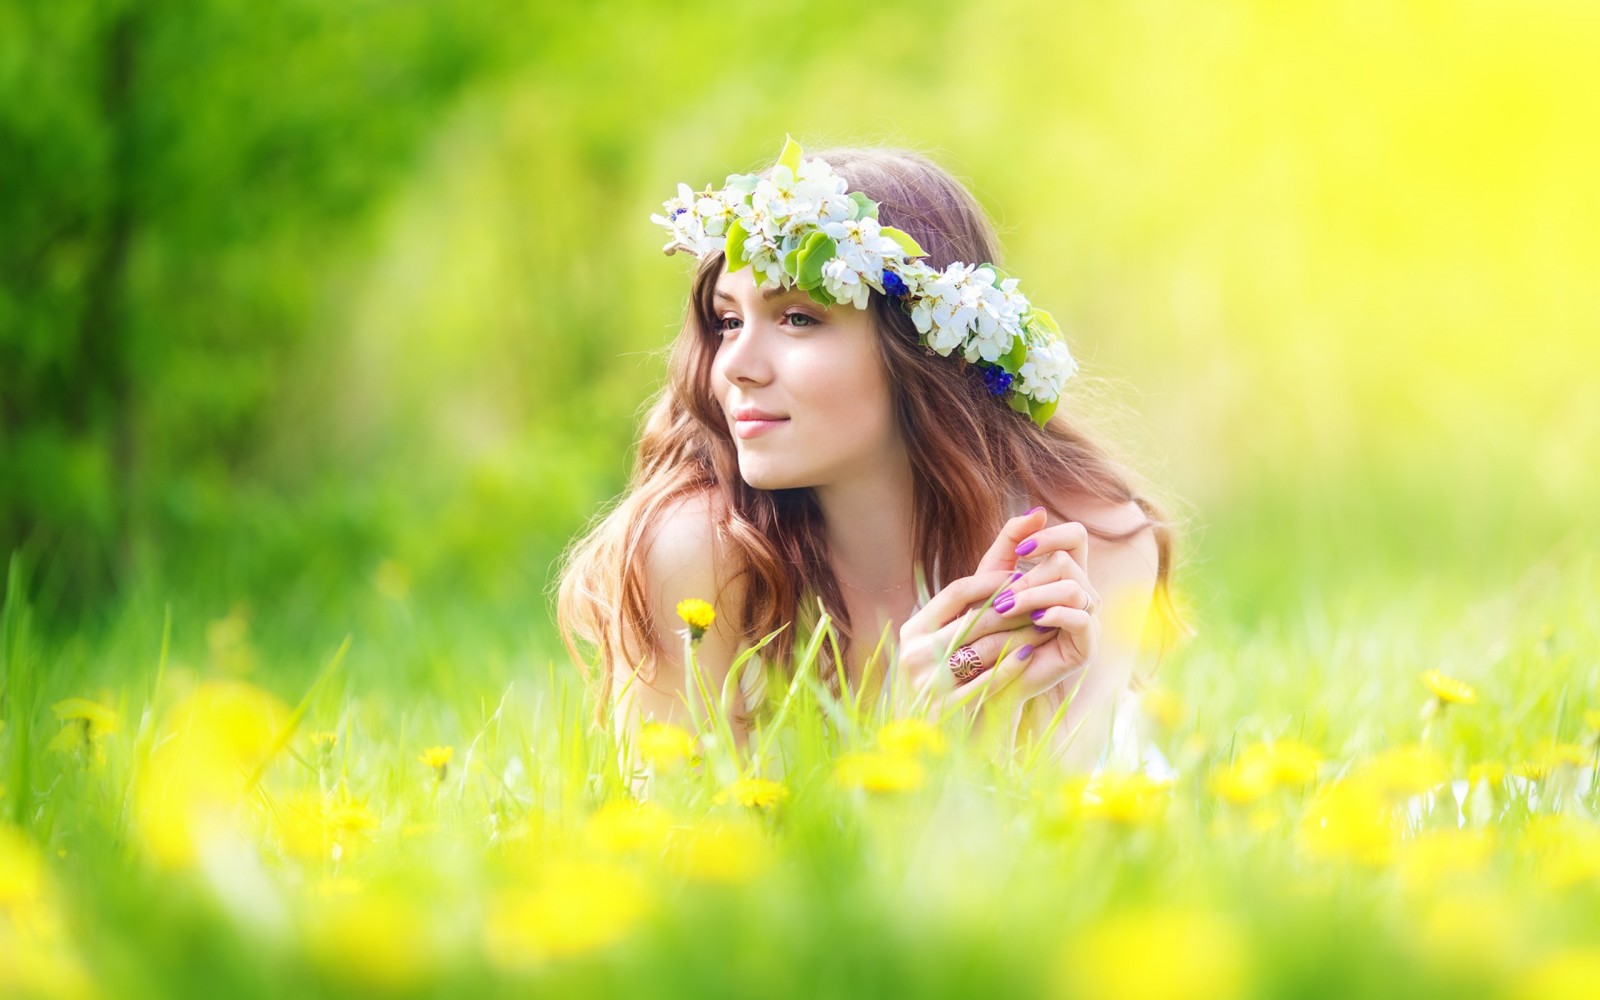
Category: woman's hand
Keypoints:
(1026, 626)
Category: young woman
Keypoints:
(858, 401)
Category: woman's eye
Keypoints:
(801, 319)
(722, 324)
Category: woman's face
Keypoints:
(816, 370)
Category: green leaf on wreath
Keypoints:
(790, 157)
(816, 251)
(907, 244)
(733, 249)
(866, 208)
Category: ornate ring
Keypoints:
(966, 664)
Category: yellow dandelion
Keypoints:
(911, 737)
(1262, 767)
(1402, 771)
(1349, 820)
(1562, 975)
(877, 771)
(754, 793)
(664, 745)
(21, 870)
(1204, 956)
(1434, 856)
(379, 938)
(324, 828)
(575, 907)
(626, 827)
(438, 760)
(1449, 690)
(1131, 798)
(1491, 772)
(189, 786)
(325, 741)
(1550, 755)
(718, 852)
(84, 724)
(95, 716)
(696, 614)
(1565, 849)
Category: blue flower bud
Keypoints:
(998, 380)
(893, 286)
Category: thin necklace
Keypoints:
(863, 590)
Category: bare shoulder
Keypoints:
(684, 557)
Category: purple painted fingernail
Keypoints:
(1025, 652)
(1016, 576)
(1034, 510)
(1005, 602)
(1043, 628)
(1037, 614)
(1026, 547)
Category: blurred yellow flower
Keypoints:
(21, 869)
(878, 771)
(911, 737)
(754, 793)
(1168, 954)
(716, 851)
(1131, 798)
(188, 788)
(696, 614)
(1490, 771)
(377, 938)
(575, 907)
(1565, 850)
(1434, 856)
(1591, 720)
(438, 760)
(1402, 771)
(324, 741)
(664, 745)
(1548, 755)
(1570, 974)
(1262, 767)
(325, 827)
(91, 714)
(625, 826)
(1449, 690)
(84, 724)
(1349, 820)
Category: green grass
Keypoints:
(359, 868)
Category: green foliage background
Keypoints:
(292, 292)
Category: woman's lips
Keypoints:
(750, 428)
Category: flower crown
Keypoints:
(801, 228)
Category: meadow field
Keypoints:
(322, 332)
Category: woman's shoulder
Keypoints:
(684, 552)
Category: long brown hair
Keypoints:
(961, 439)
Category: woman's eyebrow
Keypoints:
(766, 293)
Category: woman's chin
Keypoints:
(761, 476)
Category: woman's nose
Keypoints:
(744, 356)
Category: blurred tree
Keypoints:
(176, 180)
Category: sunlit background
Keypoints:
(294, 293)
